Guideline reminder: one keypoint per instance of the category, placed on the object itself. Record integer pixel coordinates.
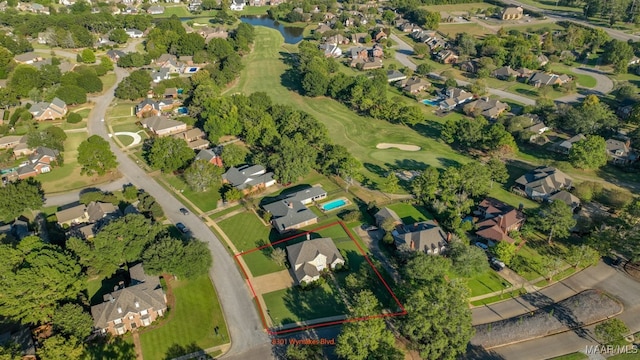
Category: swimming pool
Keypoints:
(334, 204)
(182, 110)
(433, 102)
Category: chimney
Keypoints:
(137, 304)
(412, 245)
(119, 310)
(289, 204)
(448, 237)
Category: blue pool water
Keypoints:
(430, 102)
(334, 204)
(180, 91)
(183, 110)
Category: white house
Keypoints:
(134, 33)
(237, 5)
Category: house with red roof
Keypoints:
(497, 220)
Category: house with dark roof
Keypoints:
(309, 258)
(413, 84)
(210, 156)
(425, 236)
(147, 107)
(454, 97)
(489, 108)
(129, 308)
(56, 109)
(28, 58)
(620, 152)
(542, 182)
(566, 197)
(90, 213)
(248, 177)
(497, 220)
(564, 146)
(163, 126)
(20, 335)
(115, 55)
(470, 66)
(160, 74)
(446, 57)
(395, 75)
(385, 213)
(504, 73)
(40, 162)
(547, 79)
(289, 211)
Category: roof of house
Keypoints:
(423, 236)
(247, 176)
(499, 218)
(43, 151)
(206, 154)
(194, 133)
(536, 127)
(488, 107)
(144, 293)
(566, 197)
(6, 140)
(512, 10)
(395, 75)
(614, 145)
(567, 144)
(386, 213)
(71, 213)
(154, 104)
(28, 56)
(305, 251)
(159, 123)
(505, 71)
(98, 210)
(290, 211)
(545, 180)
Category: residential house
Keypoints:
(504, 73)
(170, 93)
(11, 141)
(194, 5)
(379, 35)
(248, 177)
(39, 9)
(19, 336)
(542, 60)
(436, 43)
(566, 197)
(39, 162)
(115, 55)
(376, 51)
(331, 50)
(159, 75)
(147, 107)
(370, 64)
(512, 13)
(385, 213)
(542, 182)
(155, 10)
(424, 35)
(424, 236)
(210, 156)
(172, 65)
(19, 229)
(454, 97)
(497, 220)
(524, 73)
(414, 84)
(409, 27)
(129, 308)
(489, 108)
(163, 126)
(337, 39)
(564, 146)
(90, 213)
(634, 61)
(536, 127)
(134, 33)
(395, 75)
(73, 215)
(209, 33)
(446, 57)
(547, 79)
(359, 52)
(359, 38)
(322, 28)
(195, 138)
(289, 212)
(620, 152)
(237, 5)
(470, 66)
(28, 58)
(309, 258)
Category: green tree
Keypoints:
(425, 186)
(88, 57)
(556, 218)
(582, 255)
(196, 260)
(163, 255)
(36, 277)
(72, 94)
(12, 351)
(169, 154)
(467, 260)
(424, 69)
(74, 118)
(19, 196)
(498, 171)
(221, 118)
(119, 36)
(303, 352)
(360, 340)
(591, 116)
(505, 251)
(91, 83)
(230, 193)
(52, 137)
(421, 49)
(202, 175)
(134, 86)
(23, 79)
(58, 348)
(590, 153)
(71, 320)
(6, 62)
(234, 155)
(612, 332)
(618, 53)
(390, 183)
(293, 158)
(95, 156)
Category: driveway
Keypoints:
(604, 85)
(243, 322)
(272, 282)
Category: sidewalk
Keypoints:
(223, 348)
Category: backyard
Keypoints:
(192, 320)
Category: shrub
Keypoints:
(74, 118)
(350, 215)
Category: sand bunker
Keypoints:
(404, 147)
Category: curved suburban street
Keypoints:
(243, 322)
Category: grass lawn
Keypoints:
(293, 304)
(410, 214)
(117, 347)
(563, 274)
(470, 7)
(178, 10)
(266, 71)
(122, 108)
(247, 232)
(98, 286)
(628, 356)
(125, 140)
(192, 320)
(125, 127)
(493, 299)
(254, 10)
(84, 113)
(535, 27)
(451, 29)
(108, 80)
(551, 5)
(583, 80)
(225, 211)
(205, 201)
(485, 283)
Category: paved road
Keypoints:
(243, 322)
(601, 277)
(604, 85)
(562, 16)
(404, 52)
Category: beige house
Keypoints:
(512, 13)
(309, 258)
(54, 110)
(72, 216)
(163, 126)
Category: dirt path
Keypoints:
(273, 282)
(137, 346)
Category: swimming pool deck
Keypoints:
(346, 203)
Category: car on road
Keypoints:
(184, 211)
(496, 264)
(182, 228)
(482, 246)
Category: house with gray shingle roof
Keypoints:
(620, 152)
(425, 236)
(128, 308)
(309, 258)
(163, 126)
(247, 177)
(386, 213)
(542, 182)
(43, 110)
(565, 146)
(289, 211)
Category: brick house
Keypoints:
(54, 110)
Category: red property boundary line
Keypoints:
(329, 323)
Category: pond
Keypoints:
(292, 35)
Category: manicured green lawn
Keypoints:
(410, 214)
(84, 113)
(205, 201)
(470, 28)
(507, 295)
(293, 304)
(117, 347)
(179, 11)
(193, 319)
(254, 10)
(629, 356)
(122, 108)
(108, 80)
(247, 232)
(486, 282)
(583, 80)
(126, 127)
(125, 140)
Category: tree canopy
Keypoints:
(18, 196)
(589, 153)
(95, 156)
(169, 154)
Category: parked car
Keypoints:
(496, 264)
(482, 246)
(182, 228)
(184, 211)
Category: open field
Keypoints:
(108, 80)
(178, 10)
(469, 7)
(192, 320)
(451, 29)
(573, 356)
